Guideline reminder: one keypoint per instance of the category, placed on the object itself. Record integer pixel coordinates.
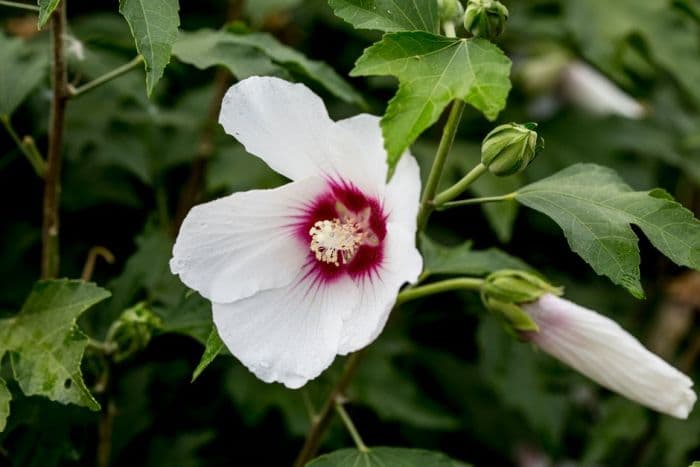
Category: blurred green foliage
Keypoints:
(443, 376)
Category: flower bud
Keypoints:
(485, 18)
(133, 330)
(509, 148)
(450, 10)
(505, 291)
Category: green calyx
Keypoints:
(133, 330)
(450, 10)
(503, 293)
(510, 148)
(485, 18)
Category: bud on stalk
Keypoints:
(509, 148)
(450, 10)
(485, 18)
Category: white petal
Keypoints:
(290, 334)
(402, 197)
(592, 91)
(232, 247)
(401, 263)
(284, 124)
(366, 165)
(600, 349)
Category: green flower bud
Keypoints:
(509, 148)
(450, 10)
(485, 18)
(504, 291)
(133, 331)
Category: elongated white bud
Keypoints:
(592, 91)
(600, 349)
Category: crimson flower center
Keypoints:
(337, 240)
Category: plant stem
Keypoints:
(486, 199)
(459, 187)
(27, 147)
(89, 266)
(449, 28)
(350, 425)
(462, 283)
(21, 6)
(322, 421)
(448, 136)
(75, 92)
(52, 185)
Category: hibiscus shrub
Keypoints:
(349, 232)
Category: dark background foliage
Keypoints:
(443, 375)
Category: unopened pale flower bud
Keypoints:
(450, 10)
(485, 18)
(600, 349)
(509, 148)
(589, 89)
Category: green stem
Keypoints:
(448, 136)
(27, 147)
(486, 199)
(52, 180)
(350, 425)
(461, 283)
(459, 187)
(75, 92)
(21, 6)
(322, 421)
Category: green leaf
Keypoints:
(383, 457)
(462, 260)
(46, 7)
(206, 48)
(432, 71)
(20, 74)
(258, 54)
(5, 398)
(595, 208)
(669, 37)
(153, 25)
(389, 15)
(212, 349)
(45, 345)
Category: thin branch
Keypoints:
(21, 6)
(448, 136)
(349, 424)
(321, 423)
(461, 283)
(93, 254)
(26, 146)
(486, 199)
(461, 186)
(52, 185)
(117, 72)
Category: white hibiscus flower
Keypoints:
(304, 272)
(600, 349)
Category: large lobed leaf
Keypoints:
(596, 209)
(433, 71)
(20, 73)
(383, 457)
(153, 24)
(44, 343)
(389, 15)
(258, 54)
